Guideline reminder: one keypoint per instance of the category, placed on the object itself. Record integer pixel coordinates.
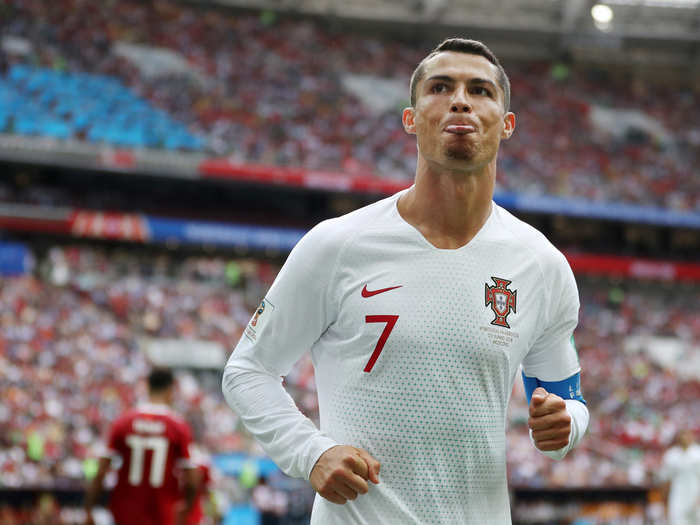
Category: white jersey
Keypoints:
(682, 468)
(415, 351)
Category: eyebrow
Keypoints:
(473, 81)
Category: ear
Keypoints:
(409, 120)
(508, 125)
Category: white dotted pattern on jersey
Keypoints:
(433, 407)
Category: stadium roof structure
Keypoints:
(644, 32)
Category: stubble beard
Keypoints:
(463, 151)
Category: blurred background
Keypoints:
(159, 159)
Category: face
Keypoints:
(459, 119)
(686, 438)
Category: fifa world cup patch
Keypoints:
(259, 319)
(501, 299)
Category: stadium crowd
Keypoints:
(637, 406)
(70, 348)
(270, 90)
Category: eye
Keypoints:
(440, 87)
(481, 90)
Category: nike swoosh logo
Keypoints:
(368, 293)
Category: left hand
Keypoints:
(549, 420)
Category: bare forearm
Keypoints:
(92, 494)
(94, 488)
(190, 494)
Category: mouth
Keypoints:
(459, 129)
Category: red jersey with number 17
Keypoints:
(152, 442)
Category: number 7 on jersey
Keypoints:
(390, 321)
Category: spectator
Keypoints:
(70, 354)
(288, 108)
(270, 502)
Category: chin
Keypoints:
(460, 153)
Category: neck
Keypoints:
(449, 207)
(159, 398)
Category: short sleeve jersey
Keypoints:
(151, 442)
(415, 351)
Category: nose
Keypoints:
(460, 102)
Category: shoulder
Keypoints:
(173, 418)
(184, 429)
(122, 425)
(528, 239)
(672, 454)
(159, 412)
(328, 236)
(175, 425)
(125, 418)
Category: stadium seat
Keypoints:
(55, 128)
(26, 125)
(61, 104)
(242, 515)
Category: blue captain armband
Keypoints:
(569, 388)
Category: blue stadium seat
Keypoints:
(242, 515)
(60, 104)
(81, 119)
(56, 128)
(97, 133)
(19, 72)
(37, 80)
(26, 125)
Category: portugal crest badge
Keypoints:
(501, 299)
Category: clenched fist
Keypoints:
(549, 420)
(341, 473)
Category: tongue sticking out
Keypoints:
(460, 129)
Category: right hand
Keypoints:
(341, 473)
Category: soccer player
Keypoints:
(150, 443)
(202, 506)
(419, 310)
(681, 466)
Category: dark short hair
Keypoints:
(160, 379)
(463, 45)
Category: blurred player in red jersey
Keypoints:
(153, 444)
(200, 508)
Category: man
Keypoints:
(204, 509)
(151, 443)
(270, 502)
(681, 466)
(419, 310)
